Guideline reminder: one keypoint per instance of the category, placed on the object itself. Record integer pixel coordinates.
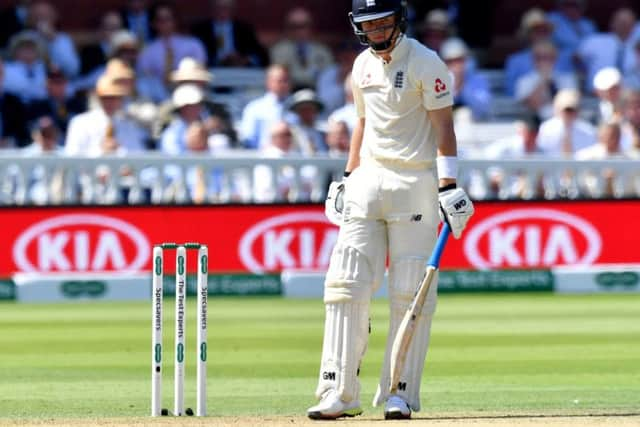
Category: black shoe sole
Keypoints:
(396, 415)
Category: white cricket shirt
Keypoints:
(394, 99)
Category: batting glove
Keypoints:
(455, 209)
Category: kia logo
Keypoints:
(532, 238)
(297, 240)
(81, 242)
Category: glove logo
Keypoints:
(459, 205)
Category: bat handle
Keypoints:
(434, 260)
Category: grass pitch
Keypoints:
(490, 354)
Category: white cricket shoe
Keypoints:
(331, 407)
(396, 409)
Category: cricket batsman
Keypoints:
(400, 180)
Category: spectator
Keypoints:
(471, 89)
(202, 186)
(94, 55)
(137, 19)
(608, 87)
(607, 183)
(632, 75)
(137, 106)
(61, 51)
(570, 26)
(125, 47)
(435, 29)
(191, 72)
(43, 186)
(162, 55)
(536, 89)
(612, 49)
(631, 122)
(105, 130)
(25, 73)
(46, 137)
(230, 42)
(608, 146)
(304, 57)
(534, 27)
(331, 91)
(13, 19)
(188, 102)
(13, 118)
(338, 139)
(59, 106)
(261, 114)
(307, 108)
(347, 113)
(523, 144)
(284, 185)
(565, 133)
(196, 144)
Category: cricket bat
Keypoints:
(407, 327)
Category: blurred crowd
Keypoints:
(144, 84)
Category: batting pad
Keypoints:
(347, 294)
(345, 340)
(404, 278)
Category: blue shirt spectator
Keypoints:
(261, 114)
(613, 49)
(471, 88)
(187, 99)
(534, 27)
(25, 73)
(570, 27)
(42, 18)
(162, 56)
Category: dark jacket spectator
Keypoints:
(96, 54)
(58, 105)
(136, 17)
(229, 41)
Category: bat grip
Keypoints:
(434, 260)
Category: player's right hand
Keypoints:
(334, 204)
(455, 208)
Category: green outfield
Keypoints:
(490, 354)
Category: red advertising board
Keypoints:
(272, 238)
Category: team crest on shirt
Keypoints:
(399, 80)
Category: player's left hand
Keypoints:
(455, 209)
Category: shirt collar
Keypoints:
(273, 99)
(399, 51)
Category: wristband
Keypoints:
(452, 186)
(346, 174)
(447, 167)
